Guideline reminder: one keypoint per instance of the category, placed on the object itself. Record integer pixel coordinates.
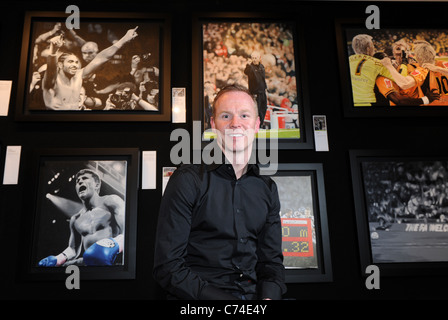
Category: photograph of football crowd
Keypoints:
(260, 57)
(101, 66)
(398, 67)
(407, 210)
(81, 213)
(296, 208)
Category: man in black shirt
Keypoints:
(219, 232)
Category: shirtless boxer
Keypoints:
(64, 76)
(98, 226)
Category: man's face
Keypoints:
(125, 93)
(86, 186)
(256, 59)
(397, 52)
(70, 65)
(88, 53)
(236, 121)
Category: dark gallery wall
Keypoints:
(317, 23)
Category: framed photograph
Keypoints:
(114, 67)
(84, 213)
(401, 207)
(303, 212)
(393, 71)
(264, 55)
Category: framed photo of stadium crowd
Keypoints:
(84, 213)
(303, 213)
(394, 70)
(114, 67)
(264, 55)
(401, 203)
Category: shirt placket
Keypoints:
(238, 213)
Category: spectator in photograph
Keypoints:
(72, 43)
(97, 228)
(64, 76)
(257, 83)
(125, 98)
(219, 232)
(145, 76)
(36, 93)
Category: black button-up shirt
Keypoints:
(218, 234)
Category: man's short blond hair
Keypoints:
(233, 88)
(401, 43)
(424, 52)
(361, 43)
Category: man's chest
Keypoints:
(233, 208)
(93, 220)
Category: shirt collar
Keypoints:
(252, 169)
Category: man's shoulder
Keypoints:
(189, 168)
(188, 171)
(267, 179)
(111, 199)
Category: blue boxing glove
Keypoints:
(54, 261)
(103, 252)
(49, 261)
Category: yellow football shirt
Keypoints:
(364, 70)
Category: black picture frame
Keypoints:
(301, 188)
(304, 139)
(401, 228)
(55, 201)
(383, 38)
(106, 100)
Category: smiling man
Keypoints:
(219, 232)
(235, 120)
(97, 228)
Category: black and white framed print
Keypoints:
(401, 202)
(114, 67)
(84, 213)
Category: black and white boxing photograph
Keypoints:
(104, 65)
(81, 213)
